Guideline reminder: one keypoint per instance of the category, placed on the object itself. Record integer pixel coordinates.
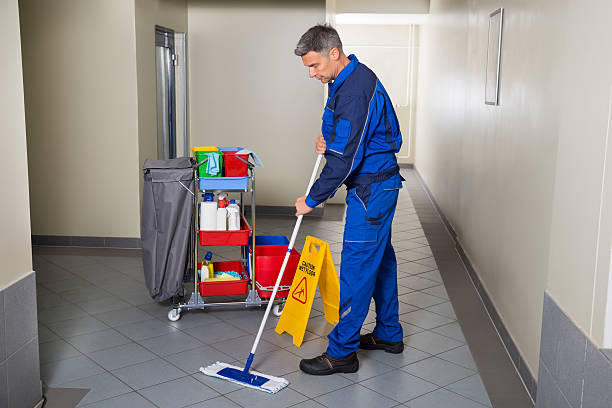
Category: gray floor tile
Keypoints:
(438, 371)
(70, 369)
(146, 329)
(472, 388)
(368, 367)
(121, 356)
(248, 397)
(215, 332)
(444, 309)
(424, 319)
(442, 399)
(171, 343)
(439, 291)
(178, 393)
(355, 396)
(100, 340)
(452, 330)
(44, 334)
(76, 327)
(461, 356)
(60, 313)
(399, 386)
(56, 350)
(240, 347)
(312, 385)
(149, 373)
(430, 342)
(276, 363)
(50, 300)
(310, 348)
(124, 316)
(193, 319)
(413, 268)
(104, 304)
(408, 356)
(190, 361)
(420, 299)
(131, 400)
(102, 386)
(432, 275)
(416, 282)
(219, 402)
(308, 404)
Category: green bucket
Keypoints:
(201, 155)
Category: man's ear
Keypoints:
(334, 54)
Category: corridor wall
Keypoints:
(523, 184)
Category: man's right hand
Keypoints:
(320, 145)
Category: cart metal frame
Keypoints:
(197, 301)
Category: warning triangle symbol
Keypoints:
(300, 293)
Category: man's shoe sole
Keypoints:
(387, 347)
(350, 369)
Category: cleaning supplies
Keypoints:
(233, 216)
(210, 271)
(208, 213)
(221, 216)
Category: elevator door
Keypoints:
(166, 93)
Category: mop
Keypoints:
(243, 376)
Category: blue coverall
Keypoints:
(362, 135)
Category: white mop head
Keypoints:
(273, 385)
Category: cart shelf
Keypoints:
(240, 237)
(226, 184)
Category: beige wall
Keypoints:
(491, 168)
(15, 244)
(247, 88)
(382, 6)
(79, 62)
(149, 13)
(582, 211)
(379, 47)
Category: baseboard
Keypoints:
(517, 359)
(88, 242)
(406, 165)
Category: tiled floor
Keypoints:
(99, 330)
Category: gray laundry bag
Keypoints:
(167, 207)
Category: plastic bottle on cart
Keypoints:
(233, 215)
(222, 216)
(208, 213)
(207, 266)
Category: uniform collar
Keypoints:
(346, 71)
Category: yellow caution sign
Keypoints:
(316, 267)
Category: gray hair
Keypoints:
(320, 38)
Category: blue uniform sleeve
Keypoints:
(345, 147)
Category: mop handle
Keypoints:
(282, 270)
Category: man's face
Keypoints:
(319, 66)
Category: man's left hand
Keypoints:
(301, 207)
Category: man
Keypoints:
(360, 138)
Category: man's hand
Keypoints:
(320, 145)
(301, 207)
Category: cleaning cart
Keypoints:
(238, 177)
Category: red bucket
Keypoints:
(268, 262)
(233, 166)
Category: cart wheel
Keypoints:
(278, 309)
(174, 314)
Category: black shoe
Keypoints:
(326, 364)
(370, 342)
